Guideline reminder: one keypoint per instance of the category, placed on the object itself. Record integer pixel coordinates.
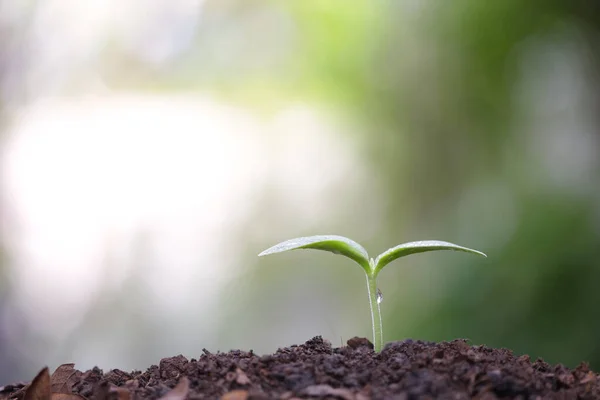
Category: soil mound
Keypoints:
(403, 370)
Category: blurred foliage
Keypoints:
(441, 115)
(454, 106)
(536, 294)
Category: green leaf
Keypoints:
(333, 243)
(417, 247)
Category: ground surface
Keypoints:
(314, 370)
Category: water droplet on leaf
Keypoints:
(379, 296)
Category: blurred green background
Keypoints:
(150, 150)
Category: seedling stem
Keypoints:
(351, 249)
(375, 311)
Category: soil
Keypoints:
(403, 370)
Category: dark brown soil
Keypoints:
(403, 370)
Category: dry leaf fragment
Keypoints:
(326, 390)
(39, 389)
(62, 378)
(236, 395)
(179, 392)
(589, 377)
(241, 377)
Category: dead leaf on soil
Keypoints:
(63, 378)
(241, 377)
(179, 392)
(589, 377)
(326, 390)
(39, 389)
(236, 395)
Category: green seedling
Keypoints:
(351, 249)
